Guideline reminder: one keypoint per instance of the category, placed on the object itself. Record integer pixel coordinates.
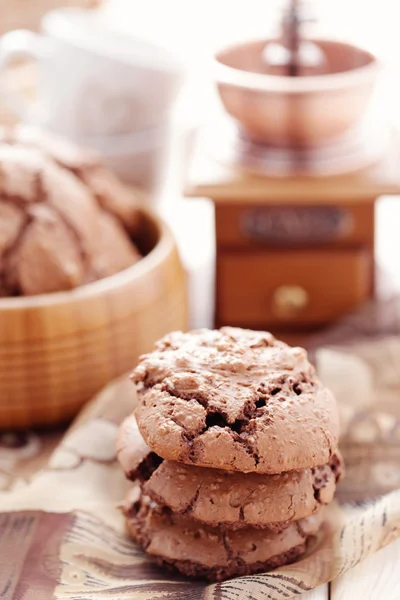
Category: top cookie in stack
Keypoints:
(236, 450)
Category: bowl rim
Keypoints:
(223, 74)
(147, 263)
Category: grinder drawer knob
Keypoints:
(289, 300)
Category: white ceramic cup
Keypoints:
(92, 82)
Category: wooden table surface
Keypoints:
(376, 578)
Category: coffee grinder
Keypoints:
(294, 165)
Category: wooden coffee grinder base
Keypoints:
(293, 254)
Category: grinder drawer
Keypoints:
(286, 287)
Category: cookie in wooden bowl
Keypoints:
(88, 279)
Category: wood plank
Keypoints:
(319, 593)
(376, 578)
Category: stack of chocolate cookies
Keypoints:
(233, 448)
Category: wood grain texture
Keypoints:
(376, 578)
(58, 350)
(335, 283)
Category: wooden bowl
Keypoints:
(304, 111)
(57, 350)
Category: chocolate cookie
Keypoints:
(134, 455)
(207, 552)
(227, 498)
(57, 230)
(111, 194)
(235, 500)
(236, 400)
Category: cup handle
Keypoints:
(17, 44)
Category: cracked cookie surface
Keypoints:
(226, 498)
(62, 223)
(236, 400)
(203, 551)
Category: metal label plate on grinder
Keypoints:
(296, 225)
